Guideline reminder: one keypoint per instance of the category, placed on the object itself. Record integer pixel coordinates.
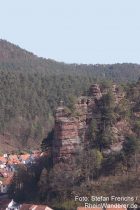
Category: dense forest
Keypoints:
(32, 87)
(94, 170)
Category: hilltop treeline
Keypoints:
(31, 88)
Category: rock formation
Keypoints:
(70, 130)
(95, 91)
(118, 94)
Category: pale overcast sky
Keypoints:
(74, 31)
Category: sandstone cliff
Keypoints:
(71, 129)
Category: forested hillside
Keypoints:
(93, 150)
(31, 88)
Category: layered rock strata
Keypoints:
(70, 130)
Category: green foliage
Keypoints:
(106, 138)
(1, 153)
(94, 163)
(47, 142)
(31, 88)
(137, 127)
(106, 84)
(71, 103)
(130, 145)
(123, 109)
(113, 164)
(100, 129)
(67, 110)
(23, 182)
(42, 185)
(92, 133)
(107, 108)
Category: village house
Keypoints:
(15, 206)
(2, 187)
(7, 160)
(8, 165)
(3, 162)
(5, 181)
(34, 207)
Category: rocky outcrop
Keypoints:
(95, 91)
(70, 133)
(118, 94)
(66, 140)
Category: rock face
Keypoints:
(66, 138)
(95, 91)
(70, 130)
(118, 94)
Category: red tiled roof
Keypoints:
(34, 207)
(24, 157)
(3, 159)
(13, 159)
(16, 159)
(7, 180)
(115, 208)
(25, 207)
(83, 208)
